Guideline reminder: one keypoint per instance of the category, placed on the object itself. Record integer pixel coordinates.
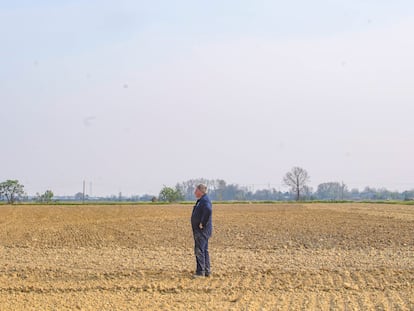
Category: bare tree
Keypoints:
(297, 180)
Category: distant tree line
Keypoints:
(330, 191)
(12, 191)
(297, 180)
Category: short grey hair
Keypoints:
(202, 188)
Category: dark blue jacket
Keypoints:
(202, 213)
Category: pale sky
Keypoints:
(134, 95)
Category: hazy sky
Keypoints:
(134, 95)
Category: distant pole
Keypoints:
(83, 194)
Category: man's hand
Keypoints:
(201, 226)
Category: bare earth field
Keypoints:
(264, 257)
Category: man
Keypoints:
(202, 229)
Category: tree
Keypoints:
(45, 197)
(408, 195)
(354, 194)
(168, 194)
(79, 197)
(297, 180)
(307, 193)
(12, 190)
(332, 191)
(187, 187)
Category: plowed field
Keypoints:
(264, 257)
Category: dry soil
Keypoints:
(264, 257)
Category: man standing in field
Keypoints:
(202, 228)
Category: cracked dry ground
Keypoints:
(264, 257)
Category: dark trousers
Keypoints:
(201, 253)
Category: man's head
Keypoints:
(200, 190)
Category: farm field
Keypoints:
(264, 257)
